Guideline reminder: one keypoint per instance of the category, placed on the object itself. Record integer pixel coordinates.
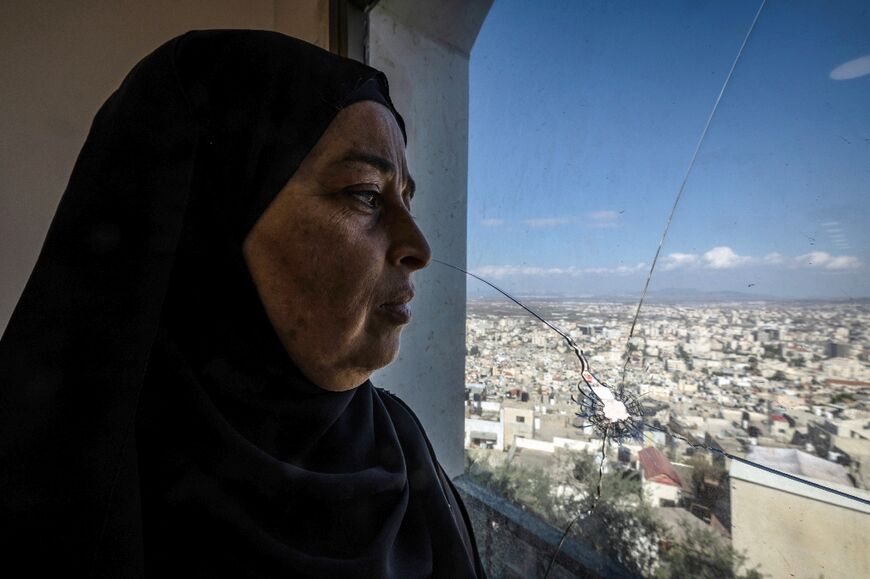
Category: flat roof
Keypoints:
(794, 461)
(839, 495)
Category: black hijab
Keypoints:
(150, 420)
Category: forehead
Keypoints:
(364, 127)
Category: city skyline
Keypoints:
(740, 410)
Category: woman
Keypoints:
(185, 378)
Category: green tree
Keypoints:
(624, 532)
(530, 488)
(502, 478)
(618, 523)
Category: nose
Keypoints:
(408, 247)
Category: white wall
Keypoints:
(59, 61)
(577, 445)
(655, 492)
(423, 48)
(532, 444)
(793, 529)
(480, 425)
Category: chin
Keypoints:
(382, 353)
(384, 359)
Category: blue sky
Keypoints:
(583, 118)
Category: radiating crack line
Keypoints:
(585, 372)
(588, 511)
(589, 379)
(683, 188)
(636, 427)
(757, 465)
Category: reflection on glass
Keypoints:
(750, 360)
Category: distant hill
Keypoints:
(668, 295)
(683, 295)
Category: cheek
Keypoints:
(350, 274)
(334, 279)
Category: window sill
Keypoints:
(514, 543)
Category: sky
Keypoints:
(583, 120)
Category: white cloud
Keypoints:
(548, 221)
(721, 257)
(500, 271)
(602, 219)
(823, 259)
(724, 257)
(843, 262)
(677, 260)
(618, 270)
(852, 69)
(774, 258)
(492, 222)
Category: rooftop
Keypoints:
(794, 461)
(657, 468)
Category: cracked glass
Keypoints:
(667, 334)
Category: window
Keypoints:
(745, 373)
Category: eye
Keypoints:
(371, 199)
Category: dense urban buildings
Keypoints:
(782, 384)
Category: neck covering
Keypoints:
(150, 420)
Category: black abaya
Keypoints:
(150, 420)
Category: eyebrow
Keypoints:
(381, 164)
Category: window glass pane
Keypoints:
(742, 394)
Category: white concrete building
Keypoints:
(793, 529)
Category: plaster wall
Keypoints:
(657, 492)
(59, 61)
(791, 535)
(427, 66)
(490, 426)
(513, 428)
(532, 444)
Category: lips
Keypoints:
(398, 307)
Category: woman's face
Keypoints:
(332, 255)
